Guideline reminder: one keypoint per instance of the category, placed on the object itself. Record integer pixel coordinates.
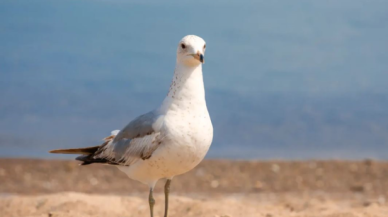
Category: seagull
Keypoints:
(167, 141)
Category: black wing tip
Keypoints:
(89, 159)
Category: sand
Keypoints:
(215, 188)
(266, 205)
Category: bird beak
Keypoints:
(199, 57)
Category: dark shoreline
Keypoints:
(35, 176)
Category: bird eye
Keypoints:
(204, 46)
(183, 46)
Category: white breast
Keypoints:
(189, 134)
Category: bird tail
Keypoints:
(86, 150)
(89, 155)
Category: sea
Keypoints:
(284, 79)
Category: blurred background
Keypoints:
(284, 79)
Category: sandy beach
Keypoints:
(215, 188)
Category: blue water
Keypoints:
(284, 79)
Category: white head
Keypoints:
(191, 51)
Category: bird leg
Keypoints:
(151, 201)
(166, 192)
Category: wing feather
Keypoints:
(137, 141)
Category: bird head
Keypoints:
(191, 50)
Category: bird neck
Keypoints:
(186, 89)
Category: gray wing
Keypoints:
(138, 140)
(139, 127)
